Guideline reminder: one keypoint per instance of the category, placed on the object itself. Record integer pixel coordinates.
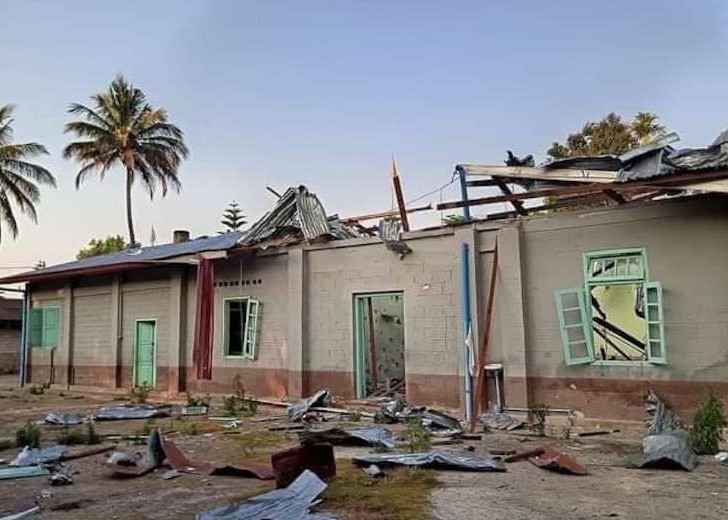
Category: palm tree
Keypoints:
(123, 130)
(646, 128)
(19, 178)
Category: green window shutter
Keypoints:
(250, 349)
(35, 327)
(51, 322)
(655, 318)
(575, 325)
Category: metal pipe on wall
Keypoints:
(23, 338)
(467, 354)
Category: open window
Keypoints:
(44, 327)
(240, 330)
(617, 316)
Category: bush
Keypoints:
(539, 412)
(71, 436)
(707, 431)
(417, 437)
(139, 394)
(195, 400)
(29, 435)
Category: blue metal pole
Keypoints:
(465, 289)
(464, 194)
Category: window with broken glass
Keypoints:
(240, 327)
(617, 315)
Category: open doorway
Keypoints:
(379, 343)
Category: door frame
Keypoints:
(359, 349)
(136, 349)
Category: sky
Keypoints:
(324, 93)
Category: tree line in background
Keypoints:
(120, 131)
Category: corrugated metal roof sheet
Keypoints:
(140, 255)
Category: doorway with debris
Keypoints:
(379, 343)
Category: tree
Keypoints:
(232, 218)
(102, 246)
(19, 178)
(612, 135)
(123, 130)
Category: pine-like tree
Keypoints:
(233, 218)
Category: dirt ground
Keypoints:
(611, 490)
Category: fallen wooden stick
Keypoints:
(524, 455)
(87, 453)
(594, 433)
(341, 411)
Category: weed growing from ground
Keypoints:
(707, 431)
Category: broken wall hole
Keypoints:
(379, 343)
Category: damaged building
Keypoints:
(590, 308)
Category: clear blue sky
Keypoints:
(322, 93)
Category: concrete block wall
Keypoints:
(687, 252)
(9, 349)
(430, 280)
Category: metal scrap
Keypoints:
(23, 472)
(321, 398)
(436, 459)
(133, 411)
(552, 459)
(291, 503)
(60, 479)
(500, 421)
(667, 451)
(661, 419)
(23, 514)
(179, 462)
(374, 471)
(63, 419)
(288, 464)
(35, 456)
(374, 436)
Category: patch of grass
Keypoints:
(196, 400)
(539, 412)
(145, 429)
(404, 494)
(707, 431)
(36, 390)
(417, 437)
(189, 428)
(29, 435)
(71, 436)
(258, 445)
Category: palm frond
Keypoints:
(29, 170)
(89, 114)
(7, 215)
(20, 151)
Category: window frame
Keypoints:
(250, 344)
(590, 282)
(44, 310)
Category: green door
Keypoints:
(145, 370)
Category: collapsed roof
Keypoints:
(654, 170)
(297, 216)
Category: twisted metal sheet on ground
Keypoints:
(374, 436)
(291, 503)
(140, 411)
(436, 459)
(553, 460)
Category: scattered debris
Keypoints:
(288, 464)
(523, 455)
(374, 471)
(500, 421)
(125, 465)
(297, 411)
(661, 419)
(63, 419)
(440, 423)
(178, 461)
(436, 459)
(23, 514)
(35, 456)
(60, 479)
(594, 433)
(722, 457)
(552, 459)
(291, 503)
(667, 451)
(135, 411)
(169, 475)
(23, 472)
(374, 436)
(87, 453)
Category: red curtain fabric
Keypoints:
(202, 353)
